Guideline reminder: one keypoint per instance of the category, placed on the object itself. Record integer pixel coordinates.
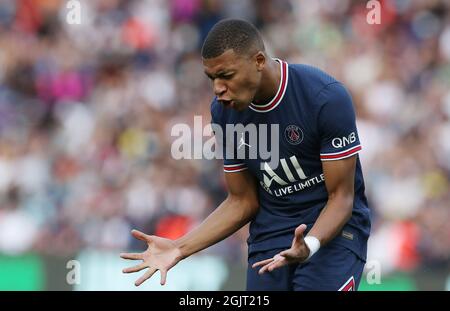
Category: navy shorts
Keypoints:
(332, 268)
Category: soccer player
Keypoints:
(309, 215)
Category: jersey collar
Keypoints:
(280, 92)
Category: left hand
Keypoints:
(298, 252)
(161, 254)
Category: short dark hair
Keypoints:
(236, 34)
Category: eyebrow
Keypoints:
(219, 73)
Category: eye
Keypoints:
(228, 76)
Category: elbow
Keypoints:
(245, 208)
(253, 208)
(249, 209)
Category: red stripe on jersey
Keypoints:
(280, 93)
(341, 154)
(234, 168)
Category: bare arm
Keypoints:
(162, 254)
(339, 180)
(237, 210)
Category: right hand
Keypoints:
(161, 254)
(298, 253)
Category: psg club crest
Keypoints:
(293, 134)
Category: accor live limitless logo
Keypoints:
(292, 180)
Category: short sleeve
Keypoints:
(230, 163)
(337, 124)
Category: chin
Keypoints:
(242, 106)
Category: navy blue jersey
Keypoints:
(316, 122)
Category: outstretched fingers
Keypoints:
(132, 256)
(268, 265)
(277, 264)
(148, 274)
(163, 276)
(135, 268)
(262, 262)
(141, 235)
(299, 231)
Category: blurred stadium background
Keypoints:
(86, 112)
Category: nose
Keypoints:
(219, 87)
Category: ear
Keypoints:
(260, 60)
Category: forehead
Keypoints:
(228, 60)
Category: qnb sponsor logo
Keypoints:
(340, 142)
(235, 141)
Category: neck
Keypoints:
(270, 82)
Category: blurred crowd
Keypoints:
(86, 113)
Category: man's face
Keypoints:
(235, 78)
